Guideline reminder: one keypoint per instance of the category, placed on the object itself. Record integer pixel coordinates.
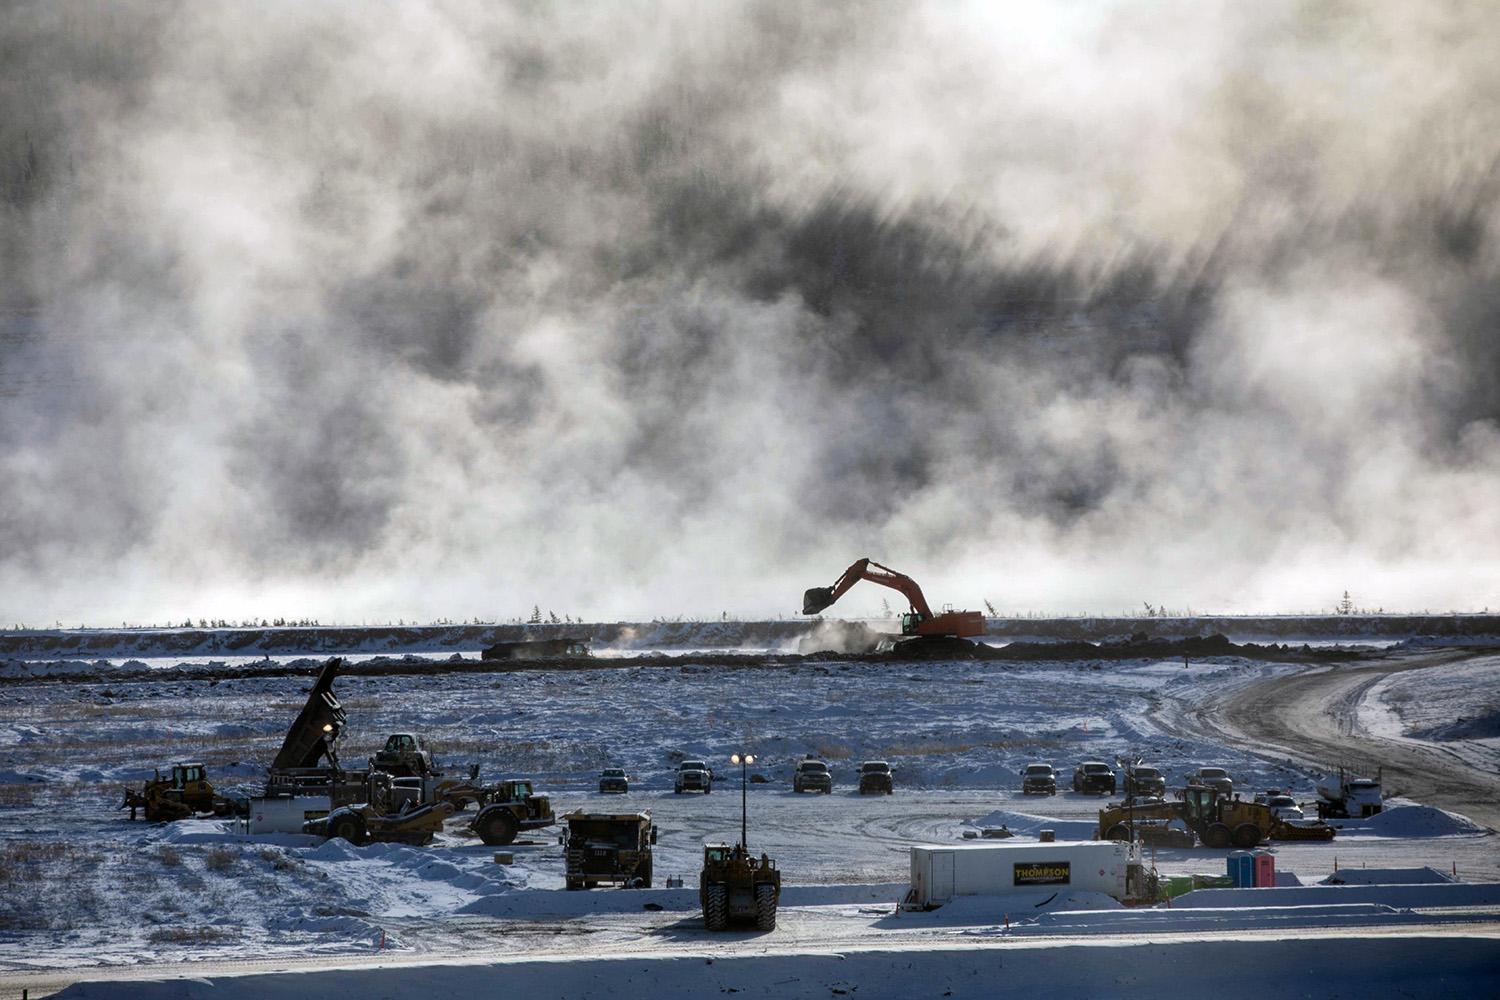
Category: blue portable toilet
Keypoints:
(1242, 869)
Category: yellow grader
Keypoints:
(1207, 815)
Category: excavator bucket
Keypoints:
(816, 599)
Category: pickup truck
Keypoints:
(1039, 779)
(875, 778)
(1094, 776)
(812, 775)
(1213, 777)
(693, 776)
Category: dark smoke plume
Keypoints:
(454, 308)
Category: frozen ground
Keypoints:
(1457, 705)
(957, 734)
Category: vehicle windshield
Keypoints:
(1095, 768)
(1212, 772)
(1147, 772)
(1040, 770)
(814, 765)
(521, 789)
(1362, 783)
(693, 765)
(614, 772)
(1281, 800)
(877, 768)
(623, 832)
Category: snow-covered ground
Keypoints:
(957, 733)
(1456, 706)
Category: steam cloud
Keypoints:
(453, 308)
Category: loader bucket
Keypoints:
(816, 599)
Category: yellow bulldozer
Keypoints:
(185, 792)
(1204, 814)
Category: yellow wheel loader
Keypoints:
(735, 888)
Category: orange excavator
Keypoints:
(919, 623)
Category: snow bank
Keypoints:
(531, 903)
(1250, 969)
(1013, 906)
(1425, 875)
(1026, 825)
(1426, 896)
(1411, 821)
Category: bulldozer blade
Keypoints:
(816, 599)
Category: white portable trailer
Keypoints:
(939, 872)
(284, 813)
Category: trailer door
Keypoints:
(942, 877)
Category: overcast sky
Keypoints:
(359, 311)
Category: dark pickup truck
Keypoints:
(1039, 779)
(1094, 776)
(875, 778)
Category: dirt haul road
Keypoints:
(1313, 716)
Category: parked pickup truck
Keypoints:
(693, 776)
(875, 778)
(1039, 779)
(1094, 776)
(1212, 777)
(812, 775)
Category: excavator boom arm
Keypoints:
(818, 599)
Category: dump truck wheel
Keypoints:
(716, 907)
(1118, 832)
(765, 907)
(1217, 835)
(1246, 835)
(348, 828)
(573, 884)
(645, 875)
(499, 827)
